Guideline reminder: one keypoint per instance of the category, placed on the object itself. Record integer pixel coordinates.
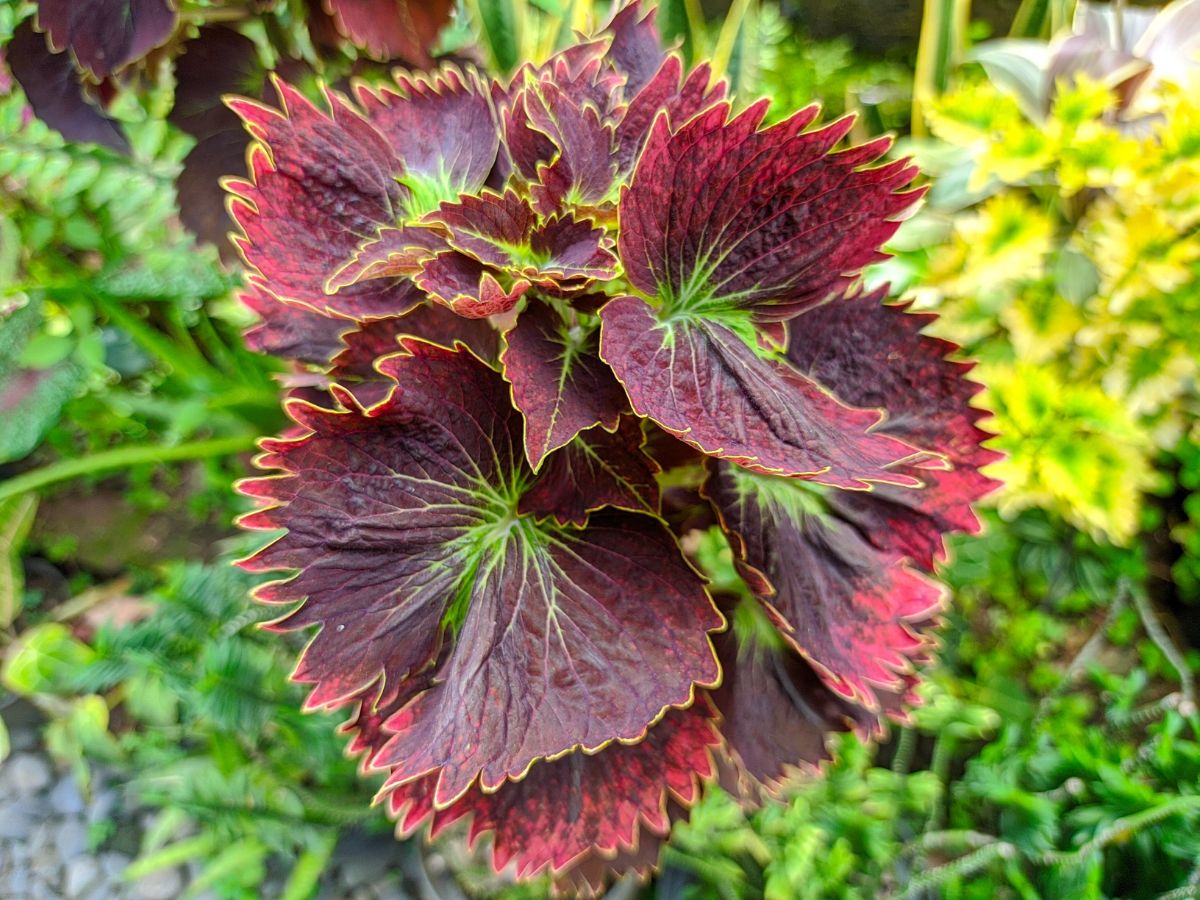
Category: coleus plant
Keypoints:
(546, 332)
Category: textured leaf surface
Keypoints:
(407, 29)
(559, 383)
(583, 169)
(498, 248)
(320, 186)
(578, 804)
(401, 520)
(56, 94)
(723, 216)
(636, 49)
(702, 382)
(668, 91)
(433, 323)
(776, 712)
(875, 355)
(844, 603)
(292, 331)
(443, 129)
(104, 35)
(598, 468)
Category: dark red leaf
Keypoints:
(320, 186)
(598, 468)
(578, 804)
(430, 322)
(292, 331)
(844, 603)
(559, 383)
(443, 129)
(104, 35)
(56, 94)
(401, 520)
(407, 29)
(636, 51)
(497, 247)
(198, 187)
(777, 714)
(722, 216)
(701, 382)
(875, 355)
(582, 173)
(665, 92)
(218, 61)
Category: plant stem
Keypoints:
(121, 458)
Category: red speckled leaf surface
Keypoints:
(401, 520)
(559, 383)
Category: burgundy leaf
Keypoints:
(430, 322)
(407, 29)
(559, 383)
(723, 216)
(401, 520)
(582, 172)
(467, 286)
(564, 809)
(777, 714)
(665, 92)
(292, 331)
(198, 186)
(498, 247)
(320, 186)
(636, 51)
(394, 252)
(598, 468)
(218, 61)
(618, 620)
(443, 130)
(875, 355)
(104, 35)
(702, 383)
(56, 94)
(844, 603)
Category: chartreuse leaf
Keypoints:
(403, 522)
(44, 660)
(5, 742)
(725, 226)
(16, 518)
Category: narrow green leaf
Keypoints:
(16, 518)
(499, 30)
(302, 883)
(5, 743)
(243, 861)
(943, 42)
(172, 855)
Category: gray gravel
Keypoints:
(50, 834)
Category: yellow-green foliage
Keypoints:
(1075, 279)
